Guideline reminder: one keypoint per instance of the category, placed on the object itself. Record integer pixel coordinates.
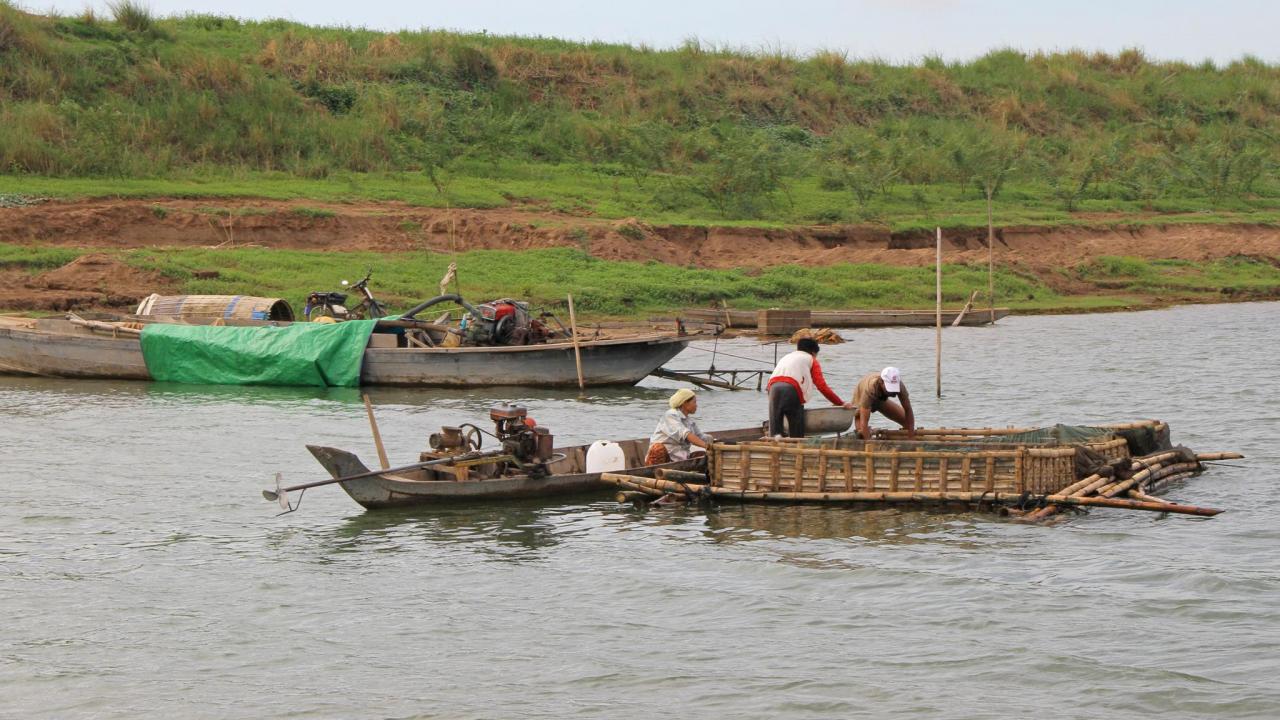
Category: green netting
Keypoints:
(1057, 435)
(1047, 436)
(296, 354)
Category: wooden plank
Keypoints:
(991, 474)
(895, 463)
(847, 461)
(919, 484)
(797, 480)
(822, 472)
(964, 474)
(942, 474)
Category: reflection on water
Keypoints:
(869, 522)
(140, 569)
(522, 525)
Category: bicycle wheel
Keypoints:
(319, 311)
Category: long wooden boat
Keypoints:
(855, 318)
(55, 347)
(439, 485)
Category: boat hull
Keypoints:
(70, 355)
(607, 362)
(398, 490)
(390, 491)
(56, 348)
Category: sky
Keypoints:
(892, 30)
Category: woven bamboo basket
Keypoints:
(197, 308)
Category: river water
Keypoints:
(142, 574)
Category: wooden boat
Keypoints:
(54, 347)
(971, 467)
(485, 479)
(854, 318)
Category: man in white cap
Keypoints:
(677, 434)
(873, 394)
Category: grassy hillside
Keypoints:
(604, 288)
(206, 104)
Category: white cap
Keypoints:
(892, 380)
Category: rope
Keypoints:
(740, 357)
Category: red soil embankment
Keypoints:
(399, 227)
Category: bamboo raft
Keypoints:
(1021, 470)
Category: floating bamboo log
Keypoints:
(1146, 468)
(651, 485)
(1208, 457)
(685, 475)
(962, 497)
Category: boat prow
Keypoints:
(338, 463)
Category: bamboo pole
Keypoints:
(1144, 467)
(965, 497)
(938, 340)
(685, 475)
(577, 351)
(1208, 457)
(104, 326)
(964, 310)
(377, 436)
(991, 244)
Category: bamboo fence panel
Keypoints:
(796, 468)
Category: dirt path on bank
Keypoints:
(394, 226)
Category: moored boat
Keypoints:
(55, 347)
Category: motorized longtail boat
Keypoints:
(524, 464)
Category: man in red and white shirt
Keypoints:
(792, 383)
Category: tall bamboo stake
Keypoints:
(938, 343)
(577, 353)
(991, 243)
(377, 436)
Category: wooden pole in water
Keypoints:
(377, 437)
(938, 342)
(991, 273)
(965, 310)
(577, 353)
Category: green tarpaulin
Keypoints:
(296, 354)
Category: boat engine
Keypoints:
(523, 439)
(503, 322)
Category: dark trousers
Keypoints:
(784, 402)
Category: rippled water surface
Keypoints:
(142, 574)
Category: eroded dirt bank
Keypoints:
(399, 227)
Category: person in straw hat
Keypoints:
(677, 434)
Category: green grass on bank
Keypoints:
(626, 289)
(214, 106)
(579, 191)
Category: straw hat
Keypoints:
(682, 396)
